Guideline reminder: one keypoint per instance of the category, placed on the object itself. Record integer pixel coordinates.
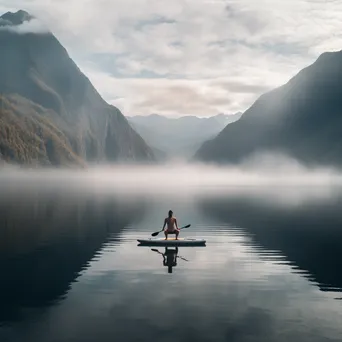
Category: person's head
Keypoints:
(170, 213)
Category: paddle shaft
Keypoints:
(156, 233)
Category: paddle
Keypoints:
(156, 233)
(155, 250)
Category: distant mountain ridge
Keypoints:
(182, 136)
(301, 119)
(53, 109)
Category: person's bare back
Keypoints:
(172, 225)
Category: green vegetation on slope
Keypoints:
(30, 136)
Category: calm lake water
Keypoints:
(71, 269)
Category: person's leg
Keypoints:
(177, 233)
(165, 232)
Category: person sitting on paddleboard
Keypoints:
(172, 225)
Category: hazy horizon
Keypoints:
(168, 116)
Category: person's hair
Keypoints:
(170, 213)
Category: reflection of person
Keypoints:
(170, 258)
(172, 225)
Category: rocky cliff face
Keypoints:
(302, 119)
(46, 101)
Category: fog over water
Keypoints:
(176, 177)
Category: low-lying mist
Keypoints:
(268, 172)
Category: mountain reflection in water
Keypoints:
(46, 241)
(307, 232)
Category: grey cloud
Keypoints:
(185, 98)
(240, 87)
(32, 26)
(259, 45)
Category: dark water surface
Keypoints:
(71, 269)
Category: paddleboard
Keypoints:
(172, 242)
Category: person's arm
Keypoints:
(176, 223)
(164, 224)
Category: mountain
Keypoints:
(302, 119)
(179, 137)
(50, 113)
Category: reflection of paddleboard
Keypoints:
(172, 242)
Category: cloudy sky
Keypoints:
(194, 57)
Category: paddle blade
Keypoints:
(187, 226)
(183, 258)
(155, 234)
